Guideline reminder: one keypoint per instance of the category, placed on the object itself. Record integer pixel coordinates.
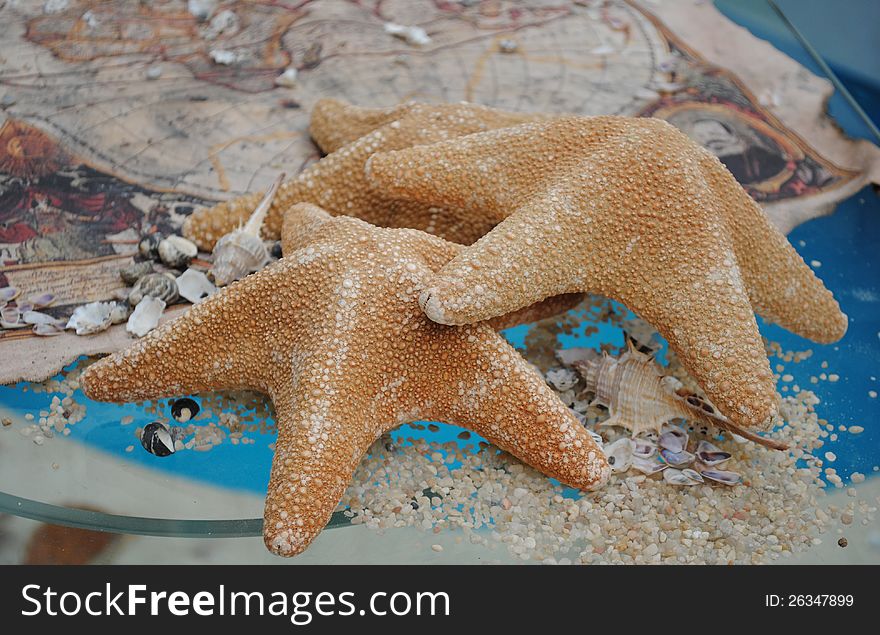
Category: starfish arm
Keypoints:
(335, 123)
(781, 286)
(509, 403)
(316, 453)
(213, 346)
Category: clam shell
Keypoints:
(619, 454)
(24, 307)
(194, 286)
(145, 316)
(648, 466)
(158, 285)
(681, 477)
(236, 255)
(148, 247)
(157, 439)
(677, 459)
(135, 271)
(720, 476)
(710, 455)
(47, 330)
(177, 252)
(41, 300)
(644, 448)
(562, 379)
(673, 439)
(91, 318)
(8, 294)
(35, 317)
(10, 315)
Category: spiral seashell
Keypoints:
(148, 247)
(135, 271)
(158, 285)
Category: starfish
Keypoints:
(334, 334)
(631, 209)
(338, 184)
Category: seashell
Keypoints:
(681, 477)
(643, 448)
(597, 438)
(35, 317)
(47, 330)
(619, 454)
(184, 409)
(239, 252)
(194, 286)
(648, 466)
(710, 455)
(145, 316)
(91, 318)
(10, 316)
(673, 439)
(8, 294)
(720, 476)
(158, 285)
(120, 312)
(677, 459)
(562, 379)
(42, 300)
(638, 399)
(156, 439)
(177, 252)
(135, 271)
(24, 307)
(148, 247)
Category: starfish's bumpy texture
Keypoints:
(333, 333)
(631, 209)
(338, 184)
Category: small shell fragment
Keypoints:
(619, 454)
(562, 379)
(41, 300)
(648, 466)
(91, 318)
(688, 477)
(47, 330)
(720, 476)
(673, 439)
(710, 455)
(120, 312)
(8, 294)
(677, 459)
(35, 317)
(145, 316)
(194, 286)
(644, 448)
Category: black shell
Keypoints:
(180, 407)
(149, 246)
(157, 439)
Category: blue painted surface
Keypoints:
(846, 244)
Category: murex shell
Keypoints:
(640, 400)
(237, 254)
(158, 285)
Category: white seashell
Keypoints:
(619, 454)
(673, 439)
(194, 286)
(287, 79)
(720, 476)
(11, 316)
(562, 379)
(24, 307)
(47, 330)
(177, 252)
(8, 294)
(239, 252)
(42, 300)
(677, 459)
(145, 316)
(91, 318)
(648, 466)
(710, 455)
(35, 317)
(681, 477)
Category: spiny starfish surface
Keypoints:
(334, 334)
(338, 184)
(631, 209)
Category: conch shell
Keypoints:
(640, 399)
(239, 252)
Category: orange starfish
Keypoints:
(333, 333)
(631, 209)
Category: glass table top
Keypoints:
(95, 474)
